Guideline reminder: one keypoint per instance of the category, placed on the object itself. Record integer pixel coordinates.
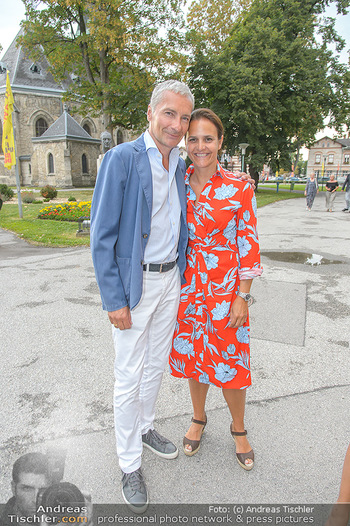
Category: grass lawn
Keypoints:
(63, 233)
(40, 231)
(266, 196)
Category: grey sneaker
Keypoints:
(134, 491)
(160, 445)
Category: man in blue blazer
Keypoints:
(138, 243)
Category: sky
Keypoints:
(12, 12)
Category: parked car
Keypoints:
(294, 180)
(324, 179)
(270, 180)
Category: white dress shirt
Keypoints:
(166, 210)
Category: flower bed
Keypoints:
(71, 211)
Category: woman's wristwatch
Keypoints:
(246, 296)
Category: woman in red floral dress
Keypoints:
(211, 339)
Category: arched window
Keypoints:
(1, 137)
(84, 164)
(86, 127)
(119, 137)
(40, 127)
(50, 164)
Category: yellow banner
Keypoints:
(8, 142)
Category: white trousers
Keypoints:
(141, 355)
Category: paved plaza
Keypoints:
(57, 371)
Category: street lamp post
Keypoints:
(243, 146)
(323, 169)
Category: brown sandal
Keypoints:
(195, 444)
(242, 457)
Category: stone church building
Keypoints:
(52, 146)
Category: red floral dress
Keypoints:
(223, 248)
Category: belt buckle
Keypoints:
(161, 267)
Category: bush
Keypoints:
(49, 192)
(6, 191)
(71, 198)
(46, 200)
(27, 197)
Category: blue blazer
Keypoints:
(121, 212)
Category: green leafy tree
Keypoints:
(114, 51)
(209, 23)
(298, 164)
(274, 82)
(301, 167)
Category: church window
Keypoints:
(40, 127)
(84, 164)
(317, 158)
(34, 68)
(347, 158)
(87, 129)
(50, 164)
(331, 158)
(119, 137)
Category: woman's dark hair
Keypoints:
(205, 113)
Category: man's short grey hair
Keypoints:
(170, 85)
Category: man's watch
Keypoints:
(246, 296)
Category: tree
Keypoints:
(274, 83)
(113, 50)
(299, 166)
(209, 23)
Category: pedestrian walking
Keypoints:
(311, 190)
(346, 188)
(331, 187)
